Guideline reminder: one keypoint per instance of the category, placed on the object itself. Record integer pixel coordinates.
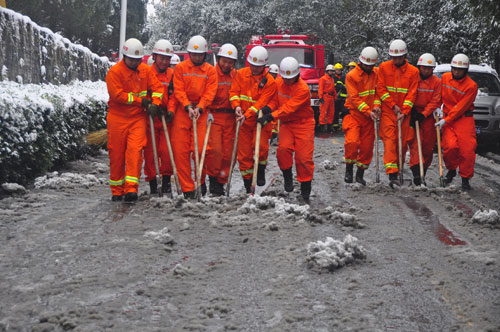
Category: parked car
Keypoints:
(487, 103)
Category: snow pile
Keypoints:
(331, 215)
(257, 203)
(162, 236)
(328, 165)
(486, 217)
(55, 180)
(13, 188)
(333, 254)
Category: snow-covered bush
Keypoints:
(42, 126)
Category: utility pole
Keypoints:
(123, 26)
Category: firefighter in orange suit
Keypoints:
(128, 83)
(327, 95)
(195, 85)
(162, 52)
(222, 132)
(363, 110)
(397, 83)
(252, 89)
(428, 100)
(459, 134)
(292, 105)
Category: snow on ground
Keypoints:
(13, 188)
(329, 165)
(486, 217)
(54, 180)
(332, 254)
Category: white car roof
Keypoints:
(484, 68)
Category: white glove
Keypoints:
(438, 113)
(210, 117)
(440, 123)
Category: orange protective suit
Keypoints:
(223, 129)
(395, 86)
(357, 125)
(195, 86)
(161, 143)
(428, 99)
(459, 132)
(292, 106)
(328, 93)
(251, 93)
(127, 123)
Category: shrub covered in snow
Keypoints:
(333, 254)
(42, 126)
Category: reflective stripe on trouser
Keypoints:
(359, 140)
(161, 145)
(183, 146)
(389, 136)
(221, 142)
(327, 110)
(297, 137)
(246, 146)
(126, 139)
(459, 146)
(428, 141)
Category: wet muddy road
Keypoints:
(72, 260)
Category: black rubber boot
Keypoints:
(116, 198)
(248, 184)
(415, 170)
(449, 176)
(261, 175)
(213, 184)
(190, 195)
(348, 173)
(324, 128)
(393, 180)
(203, 189)
(130, 197)
(166, 185)
(219, 190)
(288, 177)
(360, 172)
(465, 184)
(305, 190)
(153, 186)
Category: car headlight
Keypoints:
(314, 87)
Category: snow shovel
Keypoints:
(196, 159)
(155, 153)
(210, 119)
(400, 146)
(420, 159)
(440, 156)
(171, 155)
(256, 155)
(377, 171)
(233, 157)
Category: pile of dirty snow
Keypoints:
(333, 254)
(162, 236)
(55, 180)
(486, 217)
(257, 203)
(328, 165)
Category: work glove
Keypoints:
(416, 116)
(153, 110)
(437, 113)
(440, 123)
(146, 102)
(265, 110)
(200, 110)
(210, 117)
(162, 111)
(169, 116)
(321, 100)
(263, 120)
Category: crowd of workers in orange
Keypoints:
(168, 113)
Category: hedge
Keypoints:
(44, 126)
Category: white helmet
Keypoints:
(197, 44)
(397, 48)
(427, 59)
(258, 56)
(369, 56)
(151, 61)
(274, 69)
(133, 48)
(460, 60)
(175, 60)
(228, 51)
(289, 67)
(329, 67)
(163, 47)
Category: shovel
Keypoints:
(210, 119)
(377, 171)
(233, 157)
(420, 159)
(171, 155)
(400, 146)
(256, 155)
(155, 153)
(440, 155)
(196, 159)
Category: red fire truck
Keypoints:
(311, 57)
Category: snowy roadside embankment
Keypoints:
(43, 125)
